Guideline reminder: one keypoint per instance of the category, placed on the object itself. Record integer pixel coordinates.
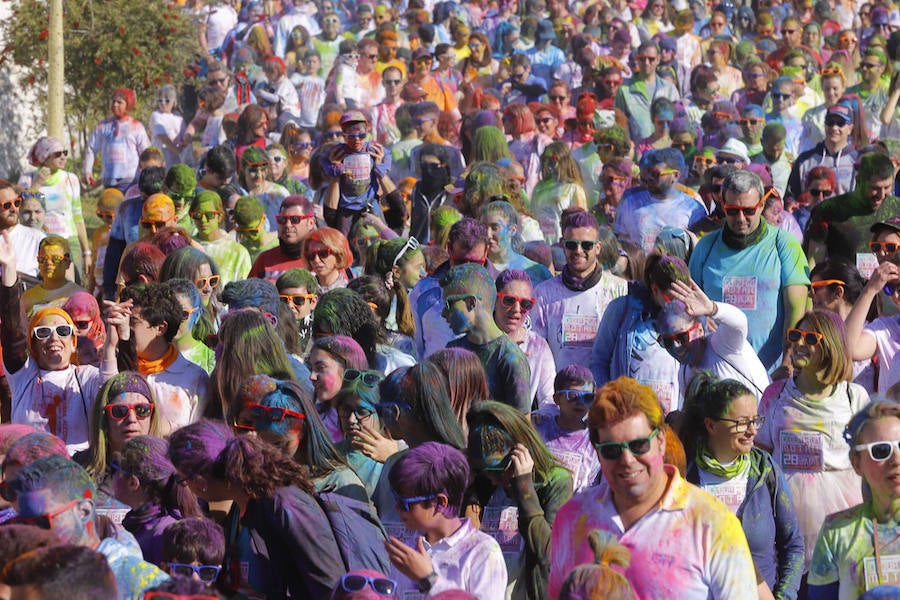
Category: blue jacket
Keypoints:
(770, 524)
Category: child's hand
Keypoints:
(374, 445)
(337, 155)
(412, 562)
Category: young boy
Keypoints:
(428, 483)
(299, 289)
(194, 548)
(359, 170)
(469, 297)
(107, 205)
(564, 429)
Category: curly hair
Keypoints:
(246, 463)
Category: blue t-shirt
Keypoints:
(753, 279)
(640, 217)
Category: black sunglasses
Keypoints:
(586, 245)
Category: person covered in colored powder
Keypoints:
(684, 542)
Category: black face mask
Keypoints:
(434, 176)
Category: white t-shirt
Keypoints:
(886, 331)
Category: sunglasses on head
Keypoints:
(810, 338)
(298, 300)
(206, 573)
(614, 450)
(12, 203)
(212, 281)
(585, 245)
(878, 451)
(320, 254)
(45, 521)
(411, 244)
(43, 332)
(274, 414)
(733, 210)
(509, 301)
(369, 378)
(575, 396)
(381, 585)
(118, 412)
(883, 247)
(293, 219)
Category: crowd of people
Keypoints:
(451, 300)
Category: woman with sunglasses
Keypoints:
(85, 313)
(327, 255)
(143, 478)
(284, 415)
(515, 472)
(852, 549)
(717, 428)
(400, 264)
(208, 214)
(191, 302)
(805, 417)
(192, 264)
(49, 391)
(255, 176)
(299, 145)
(61, 193)
(125, 408)
(367, 442)
(515, 299)
(278, 535)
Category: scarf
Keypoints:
(149, 367)
(706, 461)
(292, 251)
(578, 284)
(739, 242)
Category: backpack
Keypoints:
(358, 531)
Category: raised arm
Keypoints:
(13, 326)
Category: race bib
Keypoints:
(802, 451)
(731, 492)
(664, 393)
(357, 171)
(866, 264)
(571, 461)
(579, 330)
(740, 292)
(890, 570)
(502, 524)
